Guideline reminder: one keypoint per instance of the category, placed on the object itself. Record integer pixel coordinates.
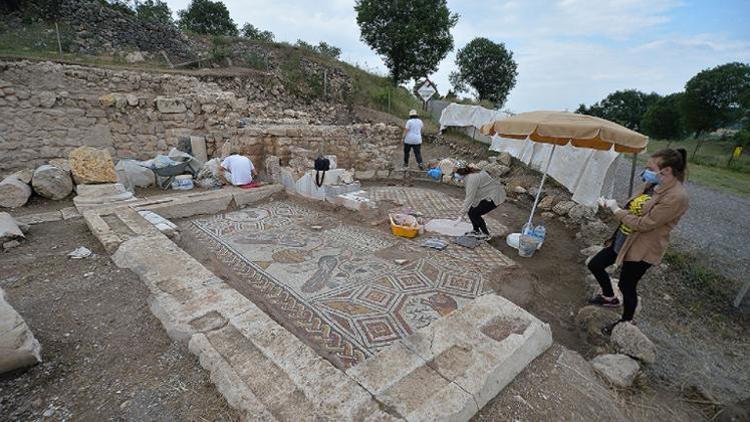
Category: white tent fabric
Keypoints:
(587, 173)
(468, 115)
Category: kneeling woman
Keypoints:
(645, 224)
(483, 194)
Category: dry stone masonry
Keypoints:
(51, 109)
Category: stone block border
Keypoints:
(446, 371)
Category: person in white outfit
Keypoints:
(483, 194)
(238, 169)
(412, 138)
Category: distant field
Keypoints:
(709, 167)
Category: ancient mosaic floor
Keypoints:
(339, 285)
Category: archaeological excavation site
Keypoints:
(194, 236)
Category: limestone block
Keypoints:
(134, 57)
(18, 347)
(198, 148)
(24, 175)
(8, 227)
(51, 182)
(619, 370)
(91, 196)
(629, 340)
(13, 192)
(170, 105)
(90, 165)
(562, 208)
(364, 174)
(61, 163)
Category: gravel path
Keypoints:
(715, 225)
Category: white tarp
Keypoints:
(587, 173)
(468, 115)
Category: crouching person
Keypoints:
(238, 169)
(483, 194)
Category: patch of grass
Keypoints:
(709, 166)
(713, 152)
(378, 93)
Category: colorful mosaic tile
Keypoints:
(333, 285)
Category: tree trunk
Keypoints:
(697, 146)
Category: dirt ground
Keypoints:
(106, 357)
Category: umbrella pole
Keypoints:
(544, 177)
(632, 174)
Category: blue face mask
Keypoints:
(650, 176)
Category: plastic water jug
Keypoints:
(540, 232)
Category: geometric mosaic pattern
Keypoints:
(437, 205)
(332, 286)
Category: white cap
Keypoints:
(412, 112)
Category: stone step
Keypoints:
(453, 367)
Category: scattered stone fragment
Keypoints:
(13, 192)
(504, 158)
(134, 57)
(581, 212)
(10, 245)
(61, 163)
(591, 250)
(90, 165)
(18, 347)
(547, 202)
(52, 182)
(9, 229)
(400, 261)
(24, 175)
(619, 370)
(519, 189)
(80, 253)
(563, 207)
(629, 340)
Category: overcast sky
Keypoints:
(568, 51)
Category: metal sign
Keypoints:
(426, 91)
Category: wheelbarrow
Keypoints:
(170, 172)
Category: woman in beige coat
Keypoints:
(483, 194)
(645, 224)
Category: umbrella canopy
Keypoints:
(561, 128)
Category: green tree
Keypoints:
(253, 33)
(488, 68)
(122, 6)
(328, 50)
(714, 98)
(155, 11)
(411, 36)
(304, 44)
(207, 17)
(624, 107)
(663, 120)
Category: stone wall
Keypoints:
(98, 28)
(48, 109)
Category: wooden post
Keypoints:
(169, 62)
(632, 174)
(325, 83)
(741, 294)
(389, 99)
(59, 44)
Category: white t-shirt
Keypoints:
(240, 169)
(413, 132)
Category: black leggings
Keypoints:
(630, 274)
(476, 213)
(417, 153)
